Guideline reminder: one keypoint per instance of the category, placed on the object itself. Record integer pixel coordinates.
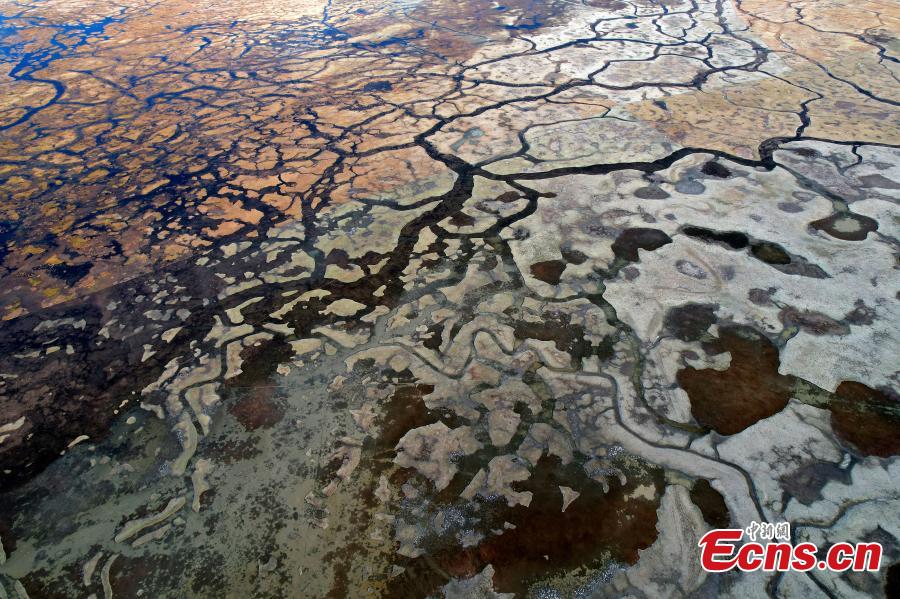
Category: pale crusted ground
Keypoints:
(398, 299)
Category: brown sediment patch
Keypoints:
(567, 337)
(404, 411)
(892, 582)
(814, 323)
(866, 418)
(690, 321)
(339, 258)
(846, 226)
(548, 271)
(252, 403)
(749, 390)
(257, 409)
(461, 219)
(629, 241)
(509, 196)
(711, 504)
(435, 337)
(547, 540)
(596, 529)
(573, 256)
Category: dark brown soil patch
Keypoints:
(892, 582)
(509, 196)
(595, 524)
(252, 402)
(434, 341)
(546, 541)
(567, 337)
(836, 225)
(257, 409)
(461, 219)
(629, 241)
(573, 256)
(749, 390)
(814, 323)
(711, 504)
(867, 419)
(690, 321)
(548, 271)
(404, 411)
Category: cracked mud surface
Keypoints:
(413, 299)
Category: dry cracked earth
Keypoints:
(401, 298)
